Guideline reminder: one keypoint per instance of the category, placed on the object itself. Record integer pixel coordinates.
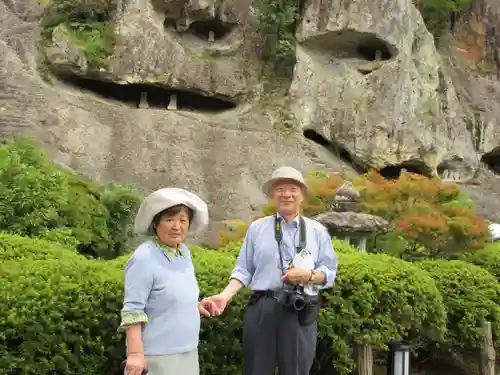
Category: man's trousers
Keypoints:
(273, 336)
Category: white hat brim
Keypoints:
(267, 188)
(165, 198)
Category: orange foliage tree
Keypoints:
(434, 219)
(429, 218)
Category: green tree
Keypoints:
(438, 14)
(31, 189)
(38, 199)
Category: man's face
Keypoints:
(288, 196)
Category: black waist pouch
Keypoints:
(310, 312)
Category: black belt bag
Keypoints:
(309, 314)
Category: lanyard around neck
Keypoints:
(278, 235)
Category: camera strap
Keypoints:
(278, 235)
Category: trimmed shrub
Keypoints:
(60, 312)
(59, 317)
(221, 347)
(344, 247)
(471, 295)
(14, 247)
(488, 257)
(377, 298)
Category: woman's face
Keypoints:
(172, 228)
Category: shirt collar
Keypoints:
(168, 251)
(294, 222)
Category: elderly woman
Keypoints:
(161, 312)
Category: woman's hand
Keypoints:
(220, 302)
(136, 364)
(207, 307)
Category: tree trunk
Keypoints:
(487, 361)
(364, 360)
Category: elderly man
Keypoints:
(285, 259)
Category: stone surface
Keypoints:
(352, 222)
(368, 83)
(404, 110)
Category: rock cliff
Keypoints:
(175, 92)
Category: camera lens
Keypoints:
(299, 304)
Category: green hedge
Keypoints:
(59, 317)
(488, 258)
(60, 310)
(471, 295)
(61, 313)
(14, 247)
(377, 298)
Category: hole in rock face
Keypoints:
(492, 160)
(392, 172)
(150, 96)
(202, 29)
(374, 49)
(211, 30)
(364, 51)
(335, 148)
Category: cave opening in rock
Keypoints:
(492, 160)
(353, 45)
(373, 49)
(202, 29)
(335, 148)
(210, 30)
(393, 171)
(150, 96)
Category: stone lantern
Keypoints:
(345, 221)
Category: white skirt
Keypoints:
(174, 364)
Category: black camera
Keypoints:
(292, 297)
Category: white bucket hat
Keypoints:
(165, 198)
(284, 173)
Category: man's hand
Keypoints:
(220, 302)
(297, 276)
(207, 307)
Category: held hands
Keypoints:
(297, 276)
(214, 305)
(207, 307)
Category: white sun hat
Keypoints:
(284, 173)
(165, 198)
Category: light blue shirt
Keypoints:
(258, 264)
(167, 292)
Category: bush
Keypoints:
(38, 199)
(31, 189)
(471, 295)
(13, 247)
(221, 347)
(377, 298)
(488, 257)
(59, 317)
(343, 247)
(437, 14)
(87, 23)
